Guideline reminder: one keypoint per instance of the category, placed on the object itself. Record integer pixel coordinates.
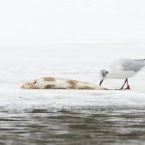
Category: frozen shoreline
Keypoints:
(27, 100)
(23, 64)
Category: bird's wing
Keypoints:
(131, 64)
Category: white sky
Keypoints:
(40, 22)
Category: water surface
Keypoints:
(73, 127)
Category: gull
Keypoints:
(123, 68)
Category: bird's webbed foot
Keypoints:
(127, 88)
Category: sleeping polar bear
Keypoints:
(57, 83)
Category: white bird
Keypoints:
(122, 69)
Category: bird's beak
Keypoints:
(101, 82)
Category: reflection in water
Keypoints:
(75, 127)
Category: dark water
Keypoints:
(75, 127)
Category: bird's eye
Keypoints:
(104, 73)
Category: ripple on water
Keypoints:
(71, 127)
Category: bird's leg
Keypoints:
(124, 84)
(127, 88)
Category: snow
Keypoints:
(69, 39)
(73, 61)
